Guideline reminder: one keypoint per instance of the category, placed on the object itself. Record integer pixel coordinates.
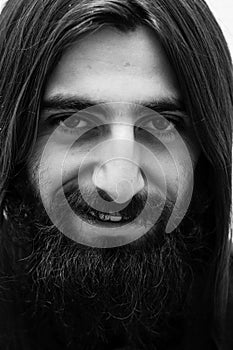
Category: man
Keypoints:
(115, 176)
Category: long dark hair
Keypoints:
(33, 35)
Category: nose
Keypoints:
(120, 177)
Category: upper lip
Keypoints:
(112, 208)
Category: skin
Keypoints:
(123, 71)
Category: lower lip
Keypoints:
(94, 221)
(95, 233)
(133, 222)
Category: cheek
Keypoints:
(45, 168)
(51, 165)
(179, 170)
(178, 178)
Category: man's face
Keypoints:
(119, 74)
(132, 291)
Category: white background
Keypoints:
(223, 11)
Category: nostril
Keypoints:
(104, 195)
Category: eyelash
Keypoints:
(171, 118)
(169, 135)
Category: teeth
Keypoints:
(103, 217)
(116, 218)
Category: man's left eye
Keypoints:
(160, 124)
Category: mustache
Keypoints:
(84, 200)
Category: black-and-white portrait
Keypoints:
(116, 175)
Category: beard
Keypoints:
(136, 296)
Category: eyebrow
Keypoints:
(62, 102)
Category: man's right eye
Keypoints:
(71, 123)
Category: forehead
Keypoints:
(110, 65)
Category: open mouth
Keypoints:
(107, 214)
(100, 218)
